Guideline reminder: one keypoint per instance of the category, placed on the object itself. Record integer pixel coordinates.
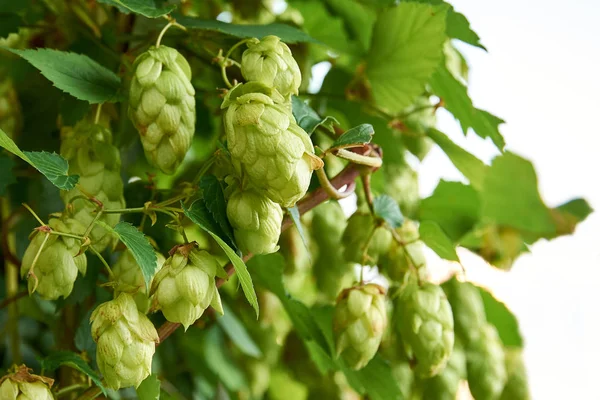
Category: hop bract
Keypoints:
(444, 386)
(56, 266)
(125, 339)
(359, 321)
(364, 241)
(162, 106)
(267, 145)
(270, 61)
(89, 150)
(467, 309)
(185, 286)
(256, 221)
(486, 371)
(21, 385)
(424, 320)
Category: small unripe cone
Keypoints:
(359, 321)
(162, 106)
(256, 221)
(56, 267)
(125, 339)
(11, 119)
(516, 387)
(486, 370)
(444, 386)
(266, 144)
(21, 385)
(467, 309)
(361, 244)
(400, 260)
(185, 286)
(270, 62)
(425, 322)
(88, 149)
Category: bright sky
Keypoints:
(540, 75)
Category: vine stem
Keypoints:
(374, 162)
(171, 23)
(98, 112)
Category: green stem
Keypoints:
(171, 23)
(374, 162)
(98, 112)
(328, 187)
(37, 255)
(69, 389)
(34, 214)
(124, 210)
(91, 225)
(70, 235)
(97, 253)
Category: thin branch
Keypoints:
(12, 299)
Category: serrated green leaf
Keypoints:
(308, 119)
(51, 165)
(376, 379)
(358, 20)
(454, 206)
(295, 214)
(147, 8)
(199, 214)
(436, 239)
(149, 389)
(458, 27)
(510, 196)
(9, 23)
(498, 314)
(286, 33)
(406, 49)
(386, 208)
(357, 136)
(471, 167)
(578, 208)
(214, 199)
(237, 333)
(76, 74)
(70, 359)
(457, 101)
(6, 177)
(141, 249)
(83, 336)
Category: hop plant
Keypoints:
(256, 221)
(486, 371)
(516, 387)
(162, 106)
(402, 184)
(22, 385)
(365, 241)
(88, 149)
(270, 61)
(57, 262)
(402, 259)
(185, 286)
(125, 339)
(424, 319)
(444, 386)
(359, 321)
(267, 145)
(467, 310)
(128, 278)
(11, 119)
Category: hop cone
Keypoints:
(444, 385)
(185, 286)
(125, 342)
(425, 323)
(270, 61)
(10, 109)
(88, 149)
(404, 376)
(467, 310)
(486, 371)
(256, 221)
(267, 145)
(22, 385)
(162, 106)
(516, 387)
(400, 260)
(128, 278)
(56, 267)
(359, 320)
(356, 239)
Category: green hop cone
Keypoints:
(266, 144)
(404, 377)
(256, 221)
(424, 319)
(467, 309)
(88, 149)
(162, 106)
(270, 61)
(21, 385)
(125, 339)
(185, 286)
(444, 386)
(359, 321)
(401, 261)
(364, 241)
(516, 387)
(11, 119)
(56, 266)
(128, 278)
(486, 371)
